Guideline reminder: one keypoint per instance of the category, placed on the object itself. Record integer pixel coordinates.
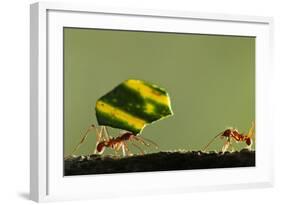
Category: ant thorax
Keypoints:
(230, 132)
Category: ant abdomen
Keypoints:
(100, 147)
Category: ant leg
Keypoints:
(117, 147)
(85, 136)
(100, 138)
(107, 136)
(225, 146)
(127, 149)
(138, 147)
(115, 152)
(123, 150)
(231, 146)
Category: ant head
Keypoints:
(227, 132)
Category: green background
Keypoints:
(210, 79)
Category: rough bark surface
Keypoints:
(161, 161)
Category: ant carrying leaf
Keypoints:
(130, 106)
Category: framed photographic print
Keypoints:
(173, 99)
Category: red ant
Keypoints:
(104, 140)
(121, 142)
(232, 133)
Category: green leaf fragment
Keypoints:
(132, 105)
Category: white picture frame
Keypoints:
(47, 182)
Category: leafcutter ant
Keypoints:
(233, 134)
(115, 143)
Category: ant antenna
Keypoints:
(142, 152)
(204, 149)
(142, 139)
